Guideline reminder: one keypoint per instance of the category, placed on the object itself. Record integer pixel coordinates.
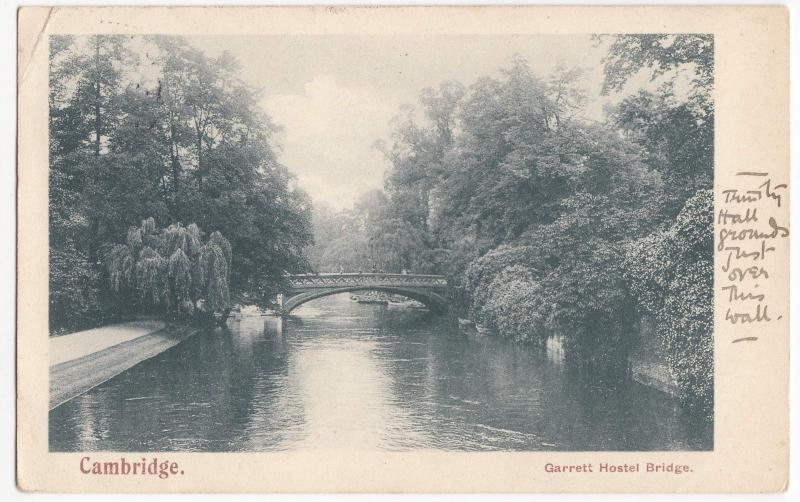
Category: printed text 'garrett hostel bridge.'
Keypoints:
(431, 290)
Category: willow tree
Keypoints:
(172, 271)
(153, 127)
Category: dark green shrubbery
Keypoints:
(671, 275)
(74, 292)
(582, 297)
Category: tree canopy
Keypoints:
(550, 224)
(150, 127)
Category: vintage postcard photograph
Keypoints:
(352, 249)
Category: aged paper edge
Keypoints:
(751, 430)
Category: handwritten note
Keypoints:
(749, 232)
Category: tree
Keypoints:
(674, 129)
(75, 300)
(563, 277)
(660, 54)
(100, 80)
(225, 173)
(172, 271)
(527, 207)
(670, 272)
(147, 127)
(85, 81)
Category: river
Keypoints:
(338, 374)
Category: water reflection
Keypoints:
(348, 376)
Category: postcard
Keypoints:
(403, 249)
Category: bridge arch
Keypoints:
(431, 299)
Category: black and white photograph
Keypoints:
(458, 243)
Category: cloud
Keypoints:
(329, 130)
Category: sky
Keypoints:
(334, 96)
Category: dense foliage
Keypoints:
(546, 223)
(672, 277)
(150, 127)
(171, 271)
(550, 224)
(675, 124)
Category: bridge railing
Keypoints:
(327, 280)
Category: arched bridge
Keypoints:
(431, 290)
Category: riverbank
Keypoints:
(83, 360)
(72, 346)
(344, 375)
(648, 362)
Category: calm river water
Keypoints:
(344, 375)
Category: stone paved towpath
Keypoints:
(68, 347)
(83, 360)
